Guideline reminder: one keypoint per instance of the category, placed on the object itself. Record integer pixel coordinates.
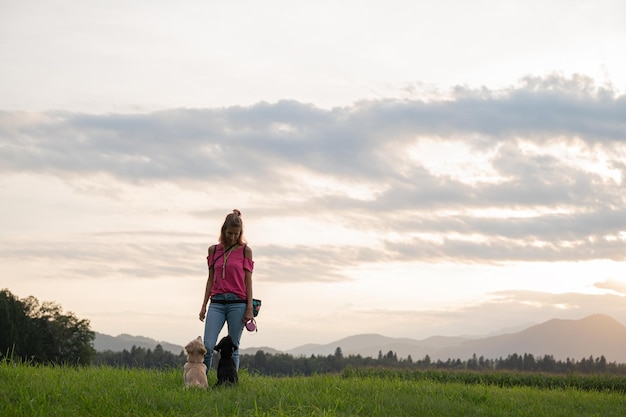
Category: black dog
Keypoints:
(226, 369)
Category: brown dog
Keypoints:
(195, 369)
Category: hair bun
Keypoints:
(237, 212)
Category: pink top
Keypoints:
(234, 280)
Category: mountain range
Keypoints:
(594, 335)
(125, 341)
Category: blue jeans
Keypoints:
(216, 316)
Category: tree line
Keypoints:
(288, 365)
(41, 333)
(284, 364)
(139, 357)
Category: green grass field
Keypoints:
(102, 391)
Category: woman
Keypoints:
(229, 286)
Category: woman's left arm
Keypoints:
(249, 294)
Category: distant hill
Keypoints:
(125, 341)
(371, 344)
(254, 350)
(595, 335)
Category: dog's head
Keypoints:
(226, 347)
(195, 349)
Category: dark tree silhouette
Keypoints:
(42, 333)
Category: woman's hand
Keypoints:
(202, 314)
(249, 314)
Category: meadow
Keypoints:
(38, 390)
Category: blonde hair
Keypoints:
(233, 220)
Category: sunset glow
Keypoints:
(413, 169)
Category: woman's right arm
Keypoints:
(207, 290)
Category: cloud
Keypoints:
(103, 259)
(550, 156)
(210, 143)
(504, 310)
(613, 285)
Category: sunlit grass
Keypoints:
(103, 391)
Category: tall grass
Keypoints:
(587, 382)
(30, 390)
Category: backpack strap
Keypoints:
(222, 254)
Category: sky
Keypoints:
(404, 168)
